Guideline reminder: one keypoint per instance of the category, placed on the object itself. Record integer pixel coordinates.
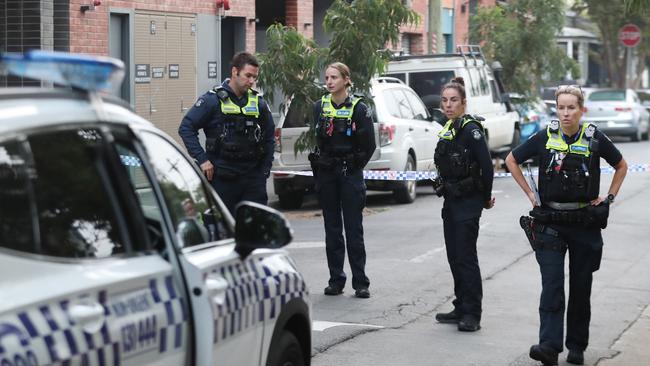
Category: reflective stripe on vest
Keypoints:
(448, 132)
(344, 112)
(557, 143)
(250, 109)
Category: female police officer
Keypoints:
(346, 142)
(569, 216)
(465, 169)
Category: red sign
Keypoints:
(629, 35)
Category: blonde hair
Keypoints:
(572, 90)
(343, 69)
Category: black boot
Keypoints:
(452, 317)
(469, 323)
(546, 355)
(575, 357)
(332, 290)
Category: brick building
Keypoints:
(176, 49)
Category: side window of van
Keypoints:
(401, 76)
(429, 83)
(496, 97)
(483, 83)
(473, 81)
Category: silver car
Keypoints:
(618, 112)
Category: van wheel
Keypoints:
(292, 200)
(406, 193)
(286, 351)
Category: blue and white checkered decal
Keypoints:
(152, 319)
(256, 294)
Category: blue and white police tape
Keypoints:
(432, 174)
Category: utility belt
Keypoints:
(458, 188)
(327, 162)
(532, 229)
(588, 217)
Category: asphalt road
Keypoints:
(410, 281)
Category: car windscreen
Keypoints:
(428, 84)
(607, 95)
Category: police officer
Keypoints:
(465, 179)
(569, 216)
(346, 141)
(239, 128)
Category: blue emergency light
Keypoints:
(89, 73)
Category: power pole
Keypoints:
(433, 26)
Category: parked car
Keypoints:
(618, 112)
(644, 97)
(114, 248)
(485, 95)
(405, 136)
(534, 114)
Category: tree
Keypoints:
(637, 6)
(360, 31)
(521, 35)
(609, 17)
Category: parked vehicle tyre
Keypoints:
(636, 136)
(516, 138)
(292, 200)
(407, 191)
(644, 136)
(286, 351)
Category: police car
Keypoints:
(115, 250)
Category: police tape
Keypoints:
(432, 174)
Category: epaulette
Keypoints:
(255, 92)
(475, 117)
(220, 91)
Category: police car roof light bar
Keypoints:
(88, 73)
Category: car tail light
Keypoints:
(386, 134)
(278, 139)
(623, 109)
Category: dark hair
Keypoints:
(457, 83)
(242, 59)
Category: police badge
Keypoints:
(476, 134)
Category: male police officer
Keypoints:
(239, 129)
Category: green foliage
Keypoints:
(521, 36)
(360, 31)
(637, 6)
(610, 16)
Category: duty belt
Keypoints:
(566, 205)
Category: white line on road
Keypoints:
(428, 255)
(306, 244)
(320, 325)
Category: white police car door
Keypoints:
(224, 290)
(81, 282)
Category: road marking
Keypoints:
(428, 255)
(320, 325)
(306, 244)
(423, 257)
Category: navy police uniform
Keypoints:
(465, 169)
(346, 141)
(239, 142)
(569, 178)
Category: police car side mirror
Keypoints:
(258, 226)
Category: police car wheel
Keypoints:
(292, 200)
(286, 351)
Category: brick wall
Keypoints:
(462, 19)
(89, 30)
(300, 15)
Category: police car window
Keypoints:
(61, 199)
(416, 103)
(403, 104)
(196, 217)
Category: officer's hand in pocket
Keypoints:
(208, 169)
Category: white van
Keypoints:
(427, 74)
